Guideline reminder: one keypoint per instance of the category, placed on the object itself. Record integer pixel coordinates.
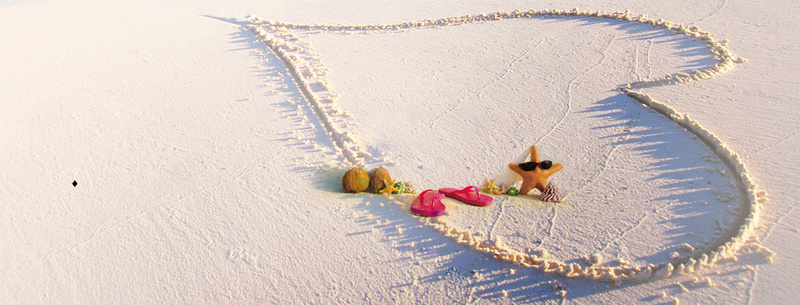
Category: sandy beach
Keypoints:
(193, 152)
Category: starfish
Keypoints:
(389, 188)
(536, 178)
(490, 186)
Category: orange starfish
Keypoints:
(536, 178)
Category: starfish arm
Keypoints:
(535, 154)
(526, 187)
(515, 168)
(389, 188)
(541, 185)
(490, 186)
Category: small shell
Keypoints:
(410, 188)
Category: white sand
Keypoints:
(206, 173)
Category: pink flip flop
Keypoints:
(469, 195)
(429, 204)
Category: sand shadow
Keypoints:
(473, 274)
(309, 135)
(688, 175)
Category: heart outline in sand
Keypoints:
(304, 67)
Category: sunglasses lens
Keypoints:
(528, 166)
(546, 164)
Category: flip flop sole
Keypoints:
(428, 205)
(458, 195)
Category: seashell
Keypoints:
(551, 194)
(410, 187)
(512, 191)
(400, 186)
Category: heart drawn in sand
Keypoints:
(308, 74)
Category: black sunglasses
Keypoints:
(529, 166)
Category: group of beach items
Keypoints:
(428, 203)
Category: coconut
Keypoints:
(355, 180)
(378, 180)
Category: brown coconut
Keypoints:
(355, 180)
(377, 178)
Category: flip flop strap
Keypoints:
(473, 189)
(422, 197)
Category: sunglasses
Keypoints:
(529, 166)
